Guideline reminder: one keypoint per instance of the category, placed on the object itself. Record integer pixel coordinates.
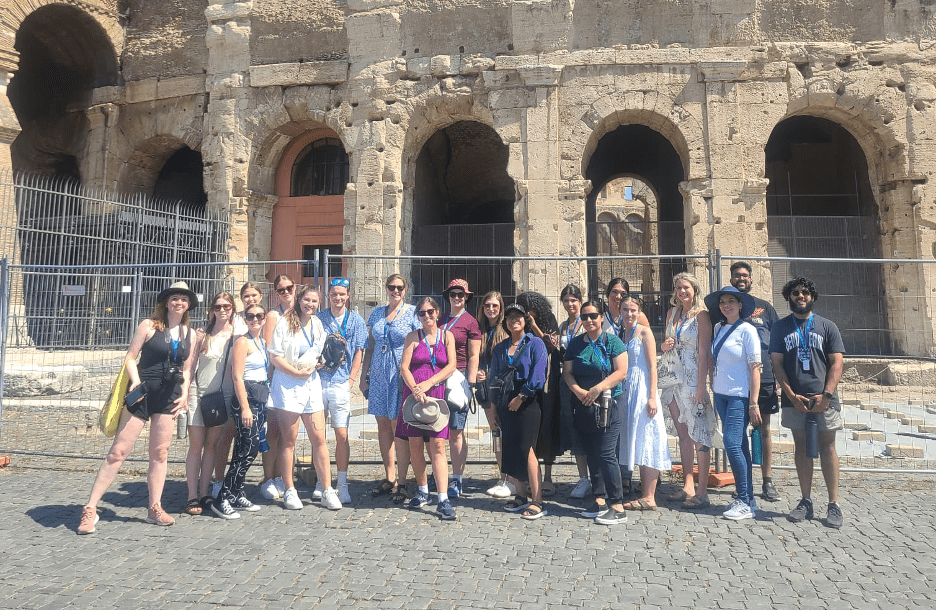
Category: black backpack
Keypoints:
(501, 386)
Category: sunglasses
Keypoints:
(457, 294)
(221, 307)
(591, 316)
(340, 281)
(286, 289)
(250, 317)
(396, 288)
(799, 293)
(425, 312)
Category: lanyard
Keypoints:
(344, 321)
(282, 311)
(310, 337)
(803, 350)
(616, 327)
(570, 330)
(605, 360)
(510, 359)
(631, 338)
(262, 347)
(175, 345)
(391, 318)
(678, 324)
(432, 352)
(716, 347)
(448, 325)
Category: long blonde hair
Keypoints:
(499, 333)
(697, 304)
(293, 314)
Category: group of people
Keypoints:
(590, 385)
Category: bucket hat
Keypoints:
(747, 301)
(433, 415)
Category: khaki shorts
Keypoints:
(829, 420)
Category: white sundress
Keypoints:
(643, 441)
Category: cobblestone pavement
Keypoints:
(374, 554)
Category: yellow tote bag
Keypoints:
(113, 406)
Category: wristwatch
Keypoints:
(827, 395)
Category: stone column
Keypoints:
(697, 204)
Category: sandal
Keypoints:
(206, 502)
(192, 507)
(384, 487)
(639, 504)
(518, 504)
(534, 511)
(697, 502)
(548, 488)
(399, 494)
(679, 496)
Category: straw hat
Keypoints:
(179, 288)
(433, 415)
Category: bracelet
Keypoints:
(753, 406)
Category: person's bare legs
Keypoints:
(459, 449)
(829, 462)
(342, 448)
(439, 463)
(402, 448)
(385, 428)
(161, 429)
(128, 431)
(288, 424)
(581, 462)
(686, 450)
(804, 465)
(271, 457)
(193, 459)
(533, 474)
(212, 440)
(704, 458)
(418, 460)
(648, 484)
(315, 429)
(222, 449)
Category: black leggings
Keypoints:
(246, 447)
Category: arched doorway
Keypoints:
(182, 178)
(463, 206)
(63, 55)
(309, 215)
(650, 165)
(820, 205)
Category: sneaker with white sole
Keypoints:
(268, 490)
(157, 516)
(445, 511)
(216, 488)
(611, 517)
(89, 518)
(419, 499)
(503, 489)
(343, 495)
(291, 499)
(595, 510)
(582, 489)
(330, 499)
(242, 503)
(223, 509)
(738, 510)
(317, 492)
(280, 486)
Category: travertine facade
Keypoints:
(239, 81)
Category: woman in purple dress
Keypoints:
(428, 360)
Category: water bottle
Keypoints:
(812, 437)
(264, 445)
(496, 440)
(756, 446)
(604, 410)
(182, 425)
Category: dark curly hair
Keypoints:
(540, 306)
(805, 282)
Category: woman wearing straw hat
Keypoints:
(163, 342)
(428, 360)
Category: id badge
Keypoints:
(805, 364)
(383, 348)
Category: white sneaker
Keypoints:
(500, 490)
(280, 487)
(269, 491)
(738, 510)
(582, 489)
(215, 488)
(317, 494)
(330, 499)
(291, 499)
(343, 495)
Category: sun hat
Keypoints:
(458, 283)
(179, 288)
(747, 301)
(433, 415)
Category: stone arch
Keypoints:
(146, 159)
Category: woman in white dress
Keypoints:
(644, 442)
(682, 378)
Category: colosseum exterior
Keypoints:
(535, 100)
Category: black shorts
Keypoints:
(767, 399)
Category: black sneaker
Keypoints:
(770, 492)
(611, 517)
(834, 516)
(223, 509)
(595, 510)
(802, 512)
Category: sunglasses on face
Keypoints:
(741, 275)
(591, 316)
(425, 312)
(340, 281)
(286, 289)
(396, 288)
(250, 317)
(456, 295)
(221, 307)
(799, 293)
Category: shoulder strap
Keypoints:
(519, 352)
(721, 342)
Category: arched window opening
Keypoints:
(320, 169)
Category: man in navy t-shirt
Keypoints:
(806, 351)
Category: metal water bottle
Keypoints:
(496, 440)
(604, 410)
(812, 437)
(264, 445)
(756, 445)
(182, 425)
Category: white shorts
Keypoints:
(296, 395)
(338, 401)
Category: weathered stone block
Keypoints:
(905, 451)
(868, 435)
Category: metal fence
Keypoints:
(51, 394)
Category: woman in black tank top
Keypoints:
(164, 345)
